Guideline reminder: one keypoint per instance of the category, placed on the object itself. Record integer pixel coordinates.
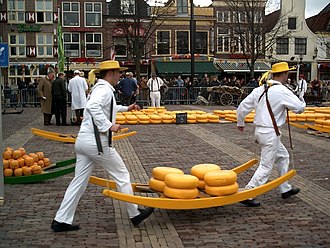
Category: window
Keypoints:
(300, 46)
(71, 15)
(93, 44)
(71, 43)
(282, 46)
(182, 42)
(223, 16)
(45, 45)
(292, 23)
(223, 39)
(17, 45)
(16, 11)
(127, 7)
(163, 42)
(44, 11)
(328, 51)
(223, 44)
(93, 14)
(201, 42)
(120, 46)
(182, 6)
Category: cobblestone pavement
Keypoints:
(301, 221)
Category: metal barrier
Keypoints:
(173, 95)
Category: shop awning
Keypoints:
(184, 67)
(227, 66)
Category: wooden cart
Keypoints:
(225, 95)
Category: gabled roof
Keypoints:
(271, 20)
(321, 21)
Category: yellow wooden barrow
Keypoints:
(202, 201)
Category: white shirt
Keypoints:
(301, 85)
(280, 99)
(155, 84)
(78, 87)
(98, 107)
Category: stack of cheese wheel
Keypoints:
(310, 117)
(202, 118)
(220, 113)
(120, 119)
(199, 171)
(167, 119)
(158, 176)
(179, 186)
(155, 119)
(143, 119)
(131, 119)
(191, 118)
(292, 116)
(213, 118)
(221, 183)
(249, 118)
(301, 117)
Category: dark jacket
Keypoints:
(59, 89)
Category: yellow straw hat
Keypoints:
(110, 65)
(281, 67)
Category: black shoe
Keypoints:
(145, 213)
(250, 203)
(63, 227)
(65, 124)
(291, 192)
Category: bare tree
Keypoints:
(248, 26)
(139, 23)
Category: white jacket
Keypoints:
(78, 87)
(280, 99)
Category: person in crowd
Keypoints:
(7, 94)
(78, 88)
(179, 82)
(127, 88)
(45, 94)
(94, 148)
(301, 86)
(270, 102)
(22, 86)
(59, 99)
(154, 84)
(316, 87)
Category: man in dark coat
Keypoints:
(45, 93)
(59, 99)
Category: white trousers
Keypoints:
(155, 99)
(300, 94)
(87, 157)
(273, 153)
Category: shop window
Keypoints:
(17, 45)
(182, 42)
(163, 42)
(93, 14)
(282, 46)
(44, 11)
(16, 11)
(71, 14)
(45, 45)
(93, 43)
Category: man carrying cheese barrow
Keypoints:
(93, 147)
(270, 102)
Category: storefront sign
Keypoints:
(25, 28)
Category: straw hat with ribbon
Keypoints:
(276, 68)
(110, 65)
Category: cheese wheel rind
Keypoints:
(161, 172)
(220, 178)
(179, 181)
(199, 170)
(180, 193)
(222, 190)
(156, 184)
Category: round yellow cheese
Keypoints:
(131, 117)
(221, 190)
(201, 184)
(199, 170)
(179, 181)
(180, 193)
(156, 184)
(220, 178)
(161, 172)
